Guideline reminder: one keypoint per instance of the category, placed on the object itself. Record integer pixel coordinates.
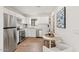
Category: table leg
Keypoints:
(49, 43)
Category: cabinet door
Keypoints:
(23, 21)
(17, 36)
(26, 33)
(30, 32)
(19, 20)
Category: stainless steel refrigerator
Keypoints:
(9, 33)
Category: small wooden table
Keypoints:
(50, 39)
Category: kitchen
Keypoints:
(27, 27)
(34, 26)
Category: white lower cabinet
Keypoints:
(30, 32)
(40, 33)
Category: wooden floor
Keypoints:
(30, 45)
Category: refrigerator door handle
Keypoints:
(14, 35)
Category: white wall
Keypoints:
(40, 19)
(1, 29)
(52, 19)
(71, 34)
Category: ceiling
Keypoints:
(34, 10)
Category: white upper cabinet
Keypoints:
(23, 21)
(28, 20)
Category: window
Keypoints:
(33, 22)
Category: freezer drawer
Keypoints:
(9, 40)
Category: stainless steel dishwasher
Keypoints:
(21, 35)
